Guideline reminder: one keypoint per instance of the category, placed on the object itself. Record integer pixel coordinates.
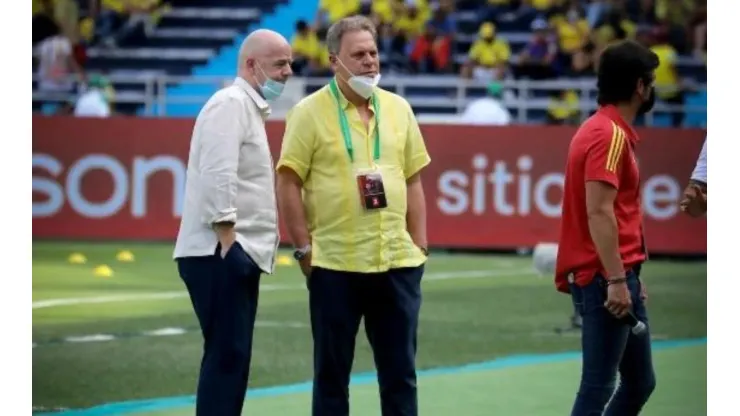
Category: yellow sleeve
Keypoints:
(415, 152)
(323, 57)
(298, 142)
(313, 49)
(630, 28)
(295, 44)
(503, 51)
(661, 9)
(475, 51)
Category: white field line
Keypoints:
(170, 331)
(468, 274)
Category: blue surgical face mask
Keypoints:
(270, 89)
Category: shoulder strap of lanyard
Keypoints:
(344, 124)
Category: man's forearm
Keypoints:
(605, 235)
(416, 215)
(290, 204)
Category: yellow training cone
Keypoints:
(103, 271)
(125, 256)
(77, 258)
(284, 261)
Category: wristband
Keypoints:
(615, 280)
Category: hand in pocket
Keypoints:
(238, 261)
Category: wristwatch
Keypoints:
(301, 253)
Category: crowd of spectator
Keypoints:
(566, 39)
(418, 36)
(415, 36)
(63, 30)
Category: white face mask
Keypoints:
(363, 85)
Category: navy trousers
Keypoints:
(609, 347)
(390, 304)
(224, 293)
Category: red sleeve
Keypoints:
(604, 155)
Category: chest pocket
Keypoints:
(392, 139)
(254, 153)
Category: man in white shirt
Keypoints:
(229, 228)
(488, 110)
(694, 200)
(93, 102)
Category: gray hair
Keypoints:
(345, 25)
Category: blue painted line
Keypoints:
(136, 406)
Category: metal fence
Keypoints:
(154, 94)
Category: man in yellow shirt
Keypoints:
(488, 58)
(306, 47)
(350, 192)
(668, 86)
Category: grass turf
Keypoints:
(466, 317)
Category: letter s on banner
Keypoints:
(49, 187)
(489, 187)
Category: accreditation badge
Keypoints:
(371, 189)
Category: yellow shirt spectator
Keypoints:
(306, 45)
(666, 75)
(572, 36)
(412, 26)
(605, 33)
(36, 6)
(565, 106)
(322, 60)
(674, 11)
(487, 50)
(490, 54)
(384, 10)
(542, 4)
(344, 236)
(337, 9)
(118, 6)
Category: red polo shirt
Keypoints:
(601, 150)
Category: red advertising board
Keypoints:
(123, 179)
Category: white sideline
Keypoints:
(469, 274)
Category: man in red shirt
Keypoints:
(602, 247)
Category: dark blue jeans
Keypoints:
(609, 347)
(390, 304)
(224, 293)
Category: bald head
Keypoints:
(262, 43)
(264, 54)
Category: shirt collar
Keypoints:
(344, 102)
(263, 106)
(612, 112)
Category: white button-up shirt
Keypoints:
(230, 177)
(92, 103)
(486, 111)
(700, 170)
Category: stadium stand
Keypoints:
(170, 66)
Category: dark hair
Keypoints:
(301, 25)
(620, 67)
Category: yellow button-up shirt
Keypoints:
(344, 236)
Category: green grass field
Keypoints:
(476, 309)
